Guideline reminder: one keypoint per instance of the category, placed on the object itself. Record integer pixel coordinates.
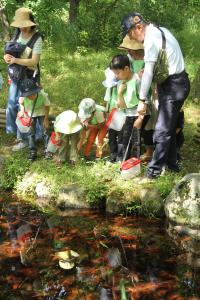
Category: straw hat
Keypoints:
(67, 122)
(130, 44)
(22, 18)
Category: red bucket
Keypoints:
(130, 168)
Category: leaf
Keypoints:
(66, 264)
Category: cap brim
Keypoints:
(26, 94)
(83, 116)
(109, 84)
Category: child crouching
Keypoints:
(65, 137)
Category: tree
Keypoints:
(4, 22)
(73, 10)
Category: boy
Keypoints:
(128, 101)
(111, 96)
(35, 103)
(65, 137)
(92, 116)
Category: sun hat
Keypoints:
(22, 18)
(86, 107)
(111, 79)
(130, 44)
(29, 87)
(67, 122)
(130, 21)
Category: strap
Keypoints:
(16, 35)
(33, 39)
(163, 39)
(33, 110)
(125, 154)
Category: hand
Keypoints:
(46, 123)
(13, 60)
(142, 108)
(138, 122)
(7, 58)
(122, 88)
(20, 113)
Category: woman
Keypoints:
(26, 28)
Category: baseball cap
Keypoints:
(86, 107)
(29, 87)
(130, 21)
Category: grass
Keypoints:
(68, 78)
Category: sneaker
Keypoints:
(32, 156)
(113, 157)
(21, 145)
(48, 155)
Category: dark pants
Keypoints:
(171, 95)
(31, 136)
(134, 148)
(114, 140)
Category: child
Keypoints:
(65, 137)
(93, 118)
(111, 96)
(128, 101)
(35, 103)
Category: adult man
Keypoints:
(171, 92)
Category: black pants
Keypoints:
(171, 95)
(134, 148)
(114, 140)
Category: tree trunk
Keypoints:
(5, 24)
(73, 10)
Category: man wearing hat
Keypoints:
(171, 92)
(25, 25)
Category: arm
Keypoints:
(21, 107)
(28, 62)
(46, 117)
(121, 102)
(147, 78)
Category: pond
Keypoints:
(82, 254)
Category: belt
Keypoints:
(177, 75)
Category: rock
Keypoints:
(42, 190)
(182, 205)
(151, 202)
(72, 196)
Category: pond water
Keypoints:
(115, 257)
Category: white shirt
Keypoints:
(153, 43)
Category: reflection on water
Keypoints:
(120, 258)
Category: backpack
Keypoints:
(17, 72)
(160, 71)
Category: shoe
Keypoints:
(32, 156)
(72, 162)
(175, 168)
(119, 159)
(21, 145)
(113, 157)
(48, 155)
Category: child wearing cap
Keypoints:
(111, 96)
(93, 117)
(65, 137)
(127, 88)
(35, 103)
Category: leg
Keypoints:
(101, 135)
(12, 108)
(90, 141)
(31, 140)
(73, 155)
(127, 129)
(165, 137)
(63, 151)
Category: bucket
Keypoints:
(54, 142)
(116, 119)
(130, 168)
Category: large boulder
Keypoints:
(182, 206)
